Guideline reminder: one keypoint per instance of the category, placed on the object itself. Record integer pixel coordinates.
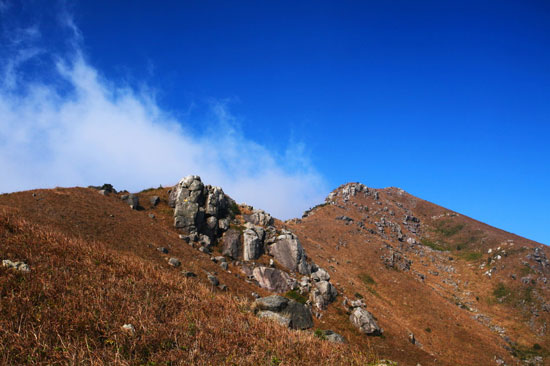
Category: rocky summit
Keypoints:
(186, 275)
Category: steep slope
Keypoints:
(467, 293)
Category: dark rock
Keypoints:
(154, 200)
(174, 262)
(285, 311)
(213, 279)
(132, 200)
(162, 250)
(188, 274)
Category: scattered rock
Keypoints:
(213, 279)
(188, 274)
(152, 215)
(331, 336)
(162, 250)
(224, 265)
(174, 262)
(365, 322)
(129, 328)
(20, 266)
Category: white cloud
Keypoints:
(101, 132)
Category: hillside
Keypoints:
(443, 289)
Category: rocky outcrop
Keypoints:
(288, 251)
(365, 322)
(199, 208)
(273, 280)
(285, 311)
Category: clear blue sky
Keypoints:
(449, 100)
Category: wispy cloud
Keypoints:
(92, 131)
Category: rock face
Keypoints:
(365, 322)
(288, 251)
(199, 208)
(285, 311)
(273, 280)
(231, 244)
(253, 242)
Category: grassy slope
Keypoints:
(70, 309)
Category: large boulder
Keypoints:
(365, 322)
(259, 217)
(253, 243)
(273, 280)
(288, 251)
(231, 244)
(285, 311)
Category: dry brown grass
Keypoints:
(70, 309)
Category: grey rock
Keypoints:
(274, 303)
(231, 244)
(174, 262)
(323, 294)
(188, 274)
(259, 217)
(320, 275)
(154, 200)
(365, 322)
(162, 250)
(204, 250)
(152, 215)
(224, 265)
(213, 279)
(331, 336)
(20, 266)
(273, 280)
(216, 202)
(288, 251)
(131, 200)
(103, 192)
(252, 244)
(223, 224)
(282, 319)
(289, 312)
(222, 287)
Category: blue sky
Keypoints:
(447, 100)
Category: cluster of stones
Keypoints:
(347, 191)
